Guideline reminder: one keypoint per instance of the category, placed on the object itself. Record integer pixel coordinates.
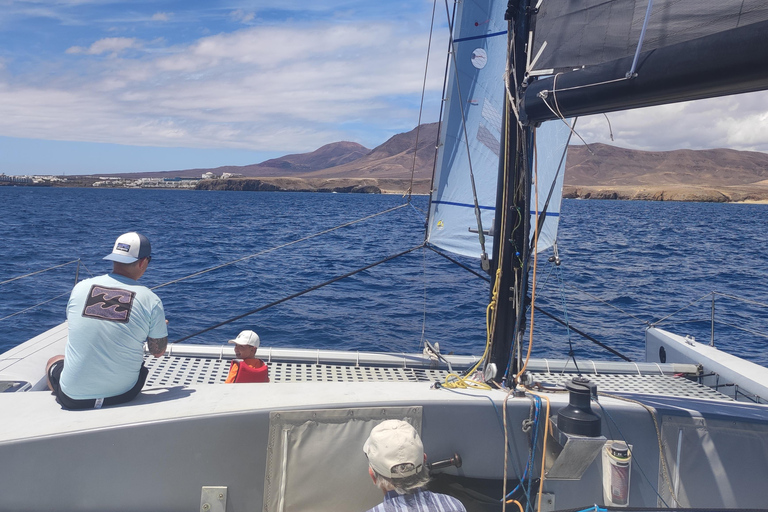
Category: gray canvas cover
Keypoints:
(315, 458)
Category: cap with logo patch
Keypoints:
(130, 247)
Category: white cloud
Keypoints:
(113, 45)
(242, 16)
(280, 87)
(268, 89)
(737, 122)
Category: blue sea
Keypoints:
(624, 264)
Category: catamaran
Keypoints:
(530, 434)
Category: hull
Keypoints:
(296, 442)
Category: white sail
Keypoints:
(471, 122)
(552, 140)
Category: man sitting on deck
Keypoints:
(247, 368)
(397, 465)
(110, 317)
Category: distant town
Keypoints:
(114, 181)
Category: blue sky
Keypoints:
(100, 86)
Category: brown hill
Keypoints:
(330, 155)
(601, 171)
(718, 175)
(393, 159)
(613, 166)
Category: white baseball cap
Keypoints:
(130, 247)
(394, 449)
(247, 338)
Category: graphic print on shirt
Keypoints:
(111, 304)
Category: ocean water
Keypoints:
(624, 264)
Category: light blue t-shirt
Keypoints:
(110, 317)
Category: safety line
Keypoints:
(298, 294)
(278, 247)
(33, 307)
(421, 103)
(455, 262)
(585, 335)
(39, 271)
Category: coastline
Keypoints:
(755, 194)
(749, 194)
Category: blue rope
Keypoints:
(531, 454)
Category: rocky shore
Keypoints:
(688, 193)
(339, 185)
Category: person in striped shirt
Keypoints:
(397, 465)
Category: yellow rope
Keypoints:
(455, 381)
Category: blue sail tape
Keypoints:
(464, 205)
(469, 205)
(484, 36)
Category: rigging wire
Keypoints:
(450, 19)
(560, 165)
(558, 114)
(583, 334)
(424, 311)
(460, 264)
(421, 104)
(298, 294)
(748, 301)
(265, 251)
(644, 322)
(36, 305)
(38, 272)
(571, 353)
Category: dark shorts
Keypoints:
(54, 374)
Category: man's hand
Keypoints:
(157, 346)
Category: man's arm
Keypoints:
(157, 346)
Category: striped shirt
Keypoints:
(420, 501)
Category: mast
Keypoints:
(512, 222)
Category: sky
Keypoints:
(108, 86)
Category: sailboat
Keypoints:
(501, 429)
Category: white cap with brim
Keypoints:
(394, 449)
(129, 247)
(247, 338)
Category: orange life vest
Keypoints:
(248, 370)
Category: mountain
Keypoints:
(330, 155)
(609, 165)
(393, 159)
(597, 171)
(720, 175)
